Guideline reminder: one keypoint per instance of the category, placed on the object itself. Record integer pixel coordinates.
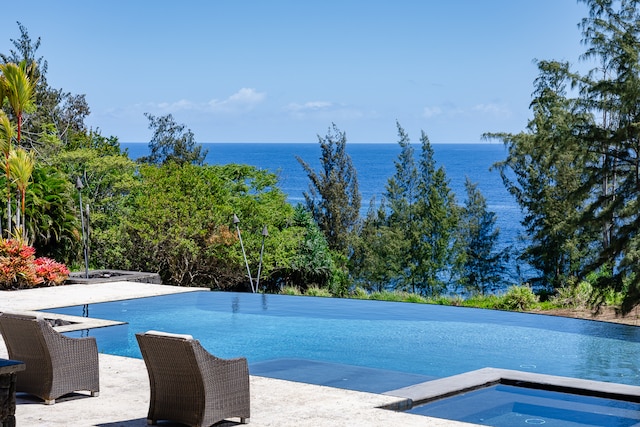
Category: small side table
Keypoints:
(8, 370)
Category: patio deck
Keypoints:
(124, 385)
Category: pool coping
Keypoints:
(68, 323)
(441, 388)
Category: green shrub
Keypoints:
(387, 296)
(518, 298)
(441, 300)
(546, 305)
(411, 297)
(573, 295)
(359, 293)
(491, 302)
(316, 291)
(290, 290)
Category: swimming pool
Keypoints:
(508, 405)
(427, 340)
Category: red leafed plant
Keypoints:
(52, 272)
(19, 268)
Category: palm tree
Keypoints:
(7, 134)
(18, 85)
(21, 164)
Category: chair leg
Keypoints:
(151, 422)
(49, 401)
(95, 393)
(244, 420)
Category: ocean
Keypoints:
(374, 164)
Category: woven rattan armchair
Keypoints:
(191, 386)
(55, 364)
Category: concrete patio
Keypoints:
(124, 394)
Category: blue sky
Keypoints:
(283, 71)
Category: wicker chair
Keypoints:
(191, 386)
(55, 364)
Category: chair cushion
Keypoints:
(21, 314)
(170, 335)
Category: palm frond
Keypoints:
(18, 86)
(7, 132)
(21, 164)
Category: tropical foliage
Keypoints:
(19, 268)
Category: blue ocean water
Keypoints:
(374, 164)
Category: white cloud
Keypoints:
(308, 106)
(450, 110)
(493, 109)
(429, 112)
(325, 110)
(243, 100)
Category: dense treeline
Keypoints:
(574, 172)
(195, 224)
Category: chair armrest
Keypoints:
(224, 374)
(77, 349)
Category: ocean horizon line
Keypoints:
(316, 142)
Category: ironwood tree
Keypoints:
(333, 198)
(484, 264)
(172, 142)
(611, 92)
(578, 166)
(377, 259)
(421, 208)
(545, 167)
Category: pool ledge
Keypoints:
(66, 323)
(473, 380)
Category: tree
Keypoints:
(312, 264)
(171, 142)
(401, 189)
(333, 198)
(401, 196)
(22, 163)
(60, 113)
(17, 85)
(581, 160)
(483, 264)
(377, 260)
(183, 216)
(109, 178)
(24, 51)
(422, 209)
(437, 254)
(545, 168)
(612, 92)
(7, 134)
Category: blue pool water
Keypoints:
(429, 340)
(509, 406)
